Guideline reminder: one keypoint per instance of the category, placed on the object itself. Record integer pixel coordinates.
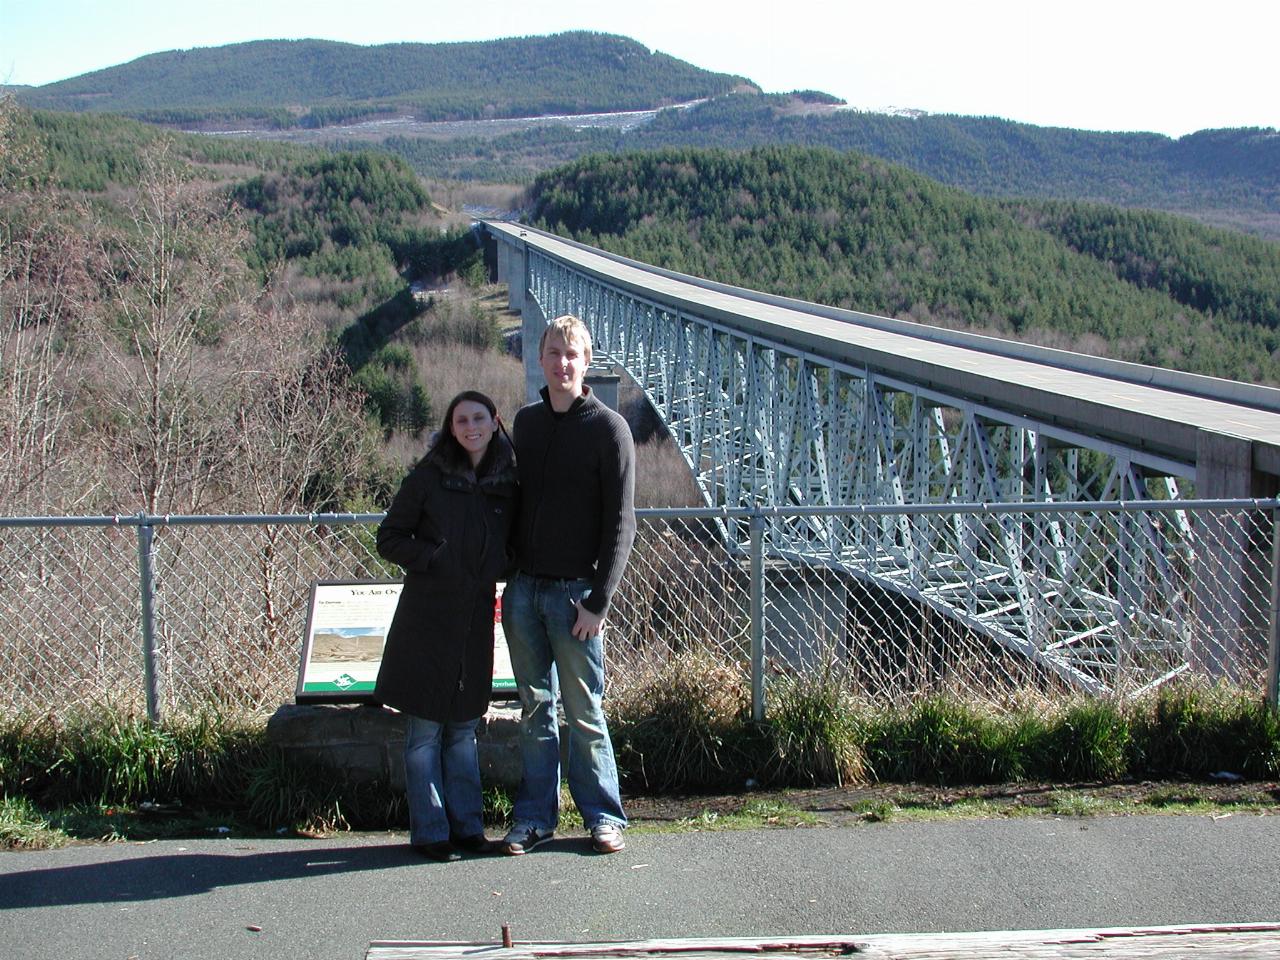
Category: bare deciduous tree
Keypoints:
(301, 441)
(301, 437)
(172, 276)
(43, 292)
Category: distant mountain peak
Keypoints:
(320, 82)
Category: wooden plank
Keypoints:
(1237, 941)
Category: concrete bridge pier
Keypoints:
(511, 266)
(511, 263)
(1235, 573)
(806, 618)
(532, 322)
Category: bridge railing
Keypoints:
(172, 614)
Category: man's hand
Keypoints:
(588, 624)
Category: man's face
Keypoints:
(564, 365)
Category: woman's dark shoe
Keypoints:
(441, 850)
(478, 843)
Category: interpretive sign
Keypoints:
(347, 624)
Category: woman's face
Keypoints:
(472, 426)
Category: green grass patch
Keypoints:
(684, 730)
(22, 825)
(753, 815)
(876, 811)
(1070, 803)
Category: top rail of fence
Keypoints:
(693, 513)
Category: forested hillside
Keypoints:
(91, 152)
(990, 155)
(1223, 177)
(189, 325)
(288, 83)
(302, 88)
(855, 232)
(301, 372)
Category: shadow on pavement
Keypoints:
(180, 875)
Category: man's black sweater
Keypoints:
(577, 482)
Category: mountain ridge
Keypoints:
(315, 82)
(322, 90)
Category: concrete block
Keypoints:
(363, 744)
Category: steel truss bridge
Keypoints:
(777, 402)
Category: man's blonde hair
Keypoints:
(570, 329)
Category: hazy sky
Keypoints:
(1169, 66)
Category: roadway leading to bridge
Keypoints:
(1160, 411)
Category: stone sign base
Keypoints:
(366, 744)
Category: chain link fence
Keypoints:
(177, 614)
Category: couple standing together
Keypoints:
(557, 497)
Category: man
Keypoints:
(575, 527)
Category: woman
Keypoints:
(448, 527)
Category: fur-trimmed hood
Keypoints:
(502, 469)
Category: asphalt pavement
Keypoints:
(327, 899)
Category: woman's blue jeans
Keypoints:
(442, 780)
(537, 618)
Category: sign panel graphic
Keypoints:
(347, 624)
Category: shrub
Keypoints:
(815, 734)
(684, 726)
(1196, 729)
(1020, 748)
(687, 726)
(1090, 740)
(115, 757)
(937, 739)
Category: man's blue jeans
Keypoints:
(537, 618)
(442, 780)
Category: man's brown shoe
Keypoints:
(607, 838)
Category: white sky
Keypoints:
(1169, 66)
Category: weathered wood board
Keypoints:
(1236, 941)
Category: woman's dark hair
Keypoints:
(446, 445)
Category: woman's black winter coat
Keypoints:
(449, 530)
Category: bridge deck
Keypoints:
(1141, 407)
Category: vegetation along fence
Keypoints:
(181, 613)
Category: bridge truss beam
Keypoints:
(1089, 596)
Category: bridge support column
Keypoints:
(806, 618)
(532, 322)
(1233, 570)
(513, 270)
(604, 384)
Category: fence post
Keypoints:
(757, 616)
(147, 586)
(1273, 645)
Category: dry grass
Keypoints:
(448, 369)
(662, 476)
